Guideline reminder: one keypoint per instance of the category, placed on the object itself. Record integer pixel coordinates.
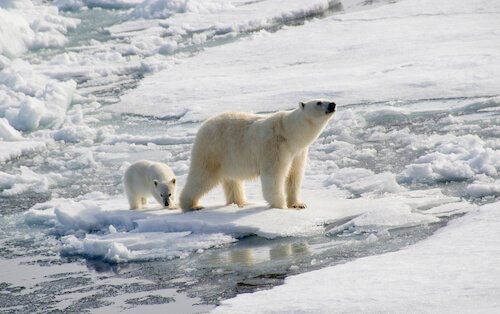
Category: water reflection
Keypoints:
(250, 256)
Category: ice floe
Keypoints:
(99, 226)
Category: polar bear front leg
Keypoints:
(273, 176)
(134, 201)
(234, 192)
(294, 180)
(198, 183)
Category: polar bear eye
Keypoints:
(169, 194)
(318, 103)
(161, 195)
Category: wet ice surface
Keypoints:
(382, 176)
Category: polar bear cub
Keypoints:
(236, 146)
(145, 178)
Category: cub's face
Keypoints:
(318, 108)
(165, 191)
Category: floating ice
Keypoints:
(360, 181)
(100, 226)
(7, 132)
(454, 159)
(123, 247)
(27, 180)
(25, 26)
(11, 150)
(30, 100)
(484, 186)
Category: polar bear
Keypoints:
(144, 178)
(235, 146)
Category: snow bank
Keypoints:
(25, 26)
(451, 271)
(100, 226)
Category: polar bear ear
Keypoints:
(173, 181)
(155, 182)
(302, 105)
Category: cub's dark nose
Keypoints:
(166, 204)
(331, 107)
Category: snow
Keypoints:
(451, 271)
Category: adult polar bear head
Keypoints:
(236, 146)
(318, 108)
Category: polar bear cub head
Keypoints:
(165, 191)
(318, 108)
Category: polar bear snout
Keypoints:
(331, 107)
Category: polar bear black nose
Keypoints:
(331, 107)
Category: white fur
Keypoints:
(145, 178)
(232, 147)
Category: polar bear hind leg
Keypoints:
(235, 194)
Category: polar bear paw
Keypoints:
(193, 209)
(297, 205)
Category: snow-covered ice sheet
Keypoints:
(454, 270)
(408, 55)
(99, 226)
(68, 5)
(166, 26)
